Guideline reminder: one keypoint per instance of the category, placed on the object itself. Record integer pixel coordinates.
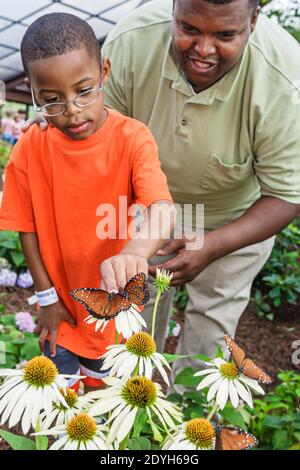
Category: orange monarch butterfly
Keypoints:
(246, 366)
(230, 438)
(107, 305)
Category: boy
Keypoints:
(55, 182)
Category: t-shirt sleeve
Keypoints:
(277, 147)
(16, 211)
(148, 180)
(118, 93)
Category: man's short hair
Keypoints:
(252, 3)
(56, 34)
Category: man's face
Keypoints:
(61, 78)
(209, 39)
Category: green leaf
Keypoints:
(295, 446)
(186, 378)
(8, 320)
(17, 442)
(198, 397)
(139, 423)
(18, 258)
(41, 442)
(30, 349)
(277, 302)
(139, 443)
(280, 439)
(175, 357)
(233, 417)
(265, 308)
(275, 292)
(272, 421)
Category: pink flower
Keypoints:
(25, 280)
(25, 322)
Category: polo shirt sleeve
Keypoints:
(277, 146)
(16, 211)
(117, 91)
(148, 180)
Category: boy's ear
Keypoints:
(106, 70)
(27, 82)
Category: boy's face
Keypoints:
(61, 78)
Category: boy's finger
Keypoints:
(120, 275)
(42, 338)
(108, 278)
(70, 319)
(143, 267)
(53, 335)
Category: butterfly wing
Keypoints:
(250, 369)
(246, 366)
(137, 289)
(237, 352)
(230, 438)
(100, 303)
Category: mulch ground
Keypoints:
(269, 343)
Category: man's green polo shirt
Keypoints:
(228, 145)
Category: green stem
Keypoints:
(117, 337)
(124, 443)
(155, 312)
(213, 411)
(136, 369)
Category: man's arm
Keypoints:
(265, 218)
(49, 318)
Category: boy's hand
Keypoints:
(39, 120)
(118, 270)
(48, 320)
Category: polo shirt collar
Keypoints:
(221, 90)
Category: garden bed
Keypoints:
(268, 342)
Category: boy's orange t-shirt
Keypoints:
(54, 185)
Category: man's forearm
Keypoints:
(34, 261)
(267, 216)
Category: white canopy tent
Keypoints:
(17, 15)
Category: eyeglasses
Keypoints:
(86, 98)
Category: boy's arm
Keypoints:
(158, 224)
(50, 317)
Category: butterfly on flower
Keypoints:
(230, 438)
(246, 366)
(107, 305)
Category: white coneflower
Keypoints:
(137, 354)
(162, 282)
(127, 322)
(225, 381)
(125, 398)
(61, 414)
(162, 279)
(80, 433)
(27, 392)
(196, 434)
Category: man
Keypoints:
(221, 104)
(217, 84)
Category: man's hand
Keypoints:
(39, 120)
(118, 270)
(48, 320)
(187, 264)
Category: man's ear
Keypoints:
(106, 70)
(254, 18)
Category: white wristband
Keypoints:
(45, 297)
